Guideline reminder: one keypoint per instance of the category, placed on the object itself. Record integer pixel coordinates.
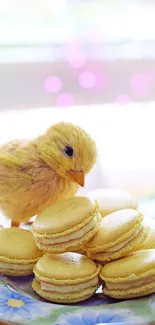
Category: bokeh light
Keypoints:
(52, 84)
(101, 81)
(123, 99)
(65, 99)
(87, 79)
(139, 83)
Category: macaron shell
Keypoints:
(132, 267)
(149, 242)
(67, 298)
(115, 228)
(64, 216)
(15, 272)
(111, 200)
(70, 267)
(69, 245)
(128, 248)
(17, 245)
(131, 293)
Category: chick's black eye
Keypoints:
(69, 151)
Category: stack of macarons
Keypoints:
(105, 225)
(79, 243)
(61, 230)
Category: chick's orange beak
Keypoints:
(77, 177)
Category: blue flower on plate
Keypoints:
(104, 316)
(151, 300)
(15, 306)
(151, 303)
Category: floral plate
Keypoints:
(20, 305)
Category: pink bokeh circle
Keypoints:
(65, 99)
(52, 84)
(87, 79)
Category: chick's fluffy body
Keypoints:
(33, 174)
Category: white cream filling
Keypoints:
(117, 247)
(20, 267)
(76, 235)
(134, 284)
(68, 288)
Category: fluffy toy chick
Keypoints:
(34, 174)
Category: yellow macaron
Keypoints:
(67, 225)
(130, 277)
(18, 252)
(119, 234)
(66, 278)
(111, 200)
(149, 242)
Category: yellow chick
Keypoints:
(34, 174)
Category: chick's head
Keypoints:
(69, 150)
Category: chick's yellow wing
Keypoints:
(18, 161)
(12, 171)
